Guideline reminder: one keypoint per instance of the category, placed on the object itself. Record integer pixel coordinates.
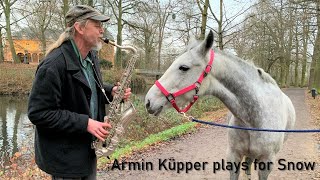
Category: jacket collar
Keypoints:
(73, 63)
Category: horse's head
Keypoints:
(182, 73)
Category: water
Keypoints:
(16, 129)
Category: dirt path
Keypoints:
(209, 145)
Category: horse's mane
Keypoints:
(264, 76)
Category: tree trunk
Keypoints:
(220, 33)
(1, 47)
(43, 42)
(204, 20)
(289, 48)
(65, 9)
(90, 3)
(305, 36)
(314, 80)
(296, 71)
(8, 30)
(119, 36)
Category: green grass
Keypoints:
(152, 139)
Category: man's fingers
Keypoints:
(99, 137)
(103, 131)
(100, 134)
(106, 125)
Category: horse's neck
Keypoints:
(233, 84)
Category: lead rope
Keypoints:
(192, 119)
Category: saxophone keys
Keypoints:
(114, 140)
(119, 130)
(106, 119)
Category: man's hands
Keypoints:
(98, 129)
(127, 92)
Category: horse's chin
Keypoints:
(155, 112)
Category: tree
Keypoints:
(41, 20)
(6, 5)
(305, 39)
(65, 9)
(162, 15)
(276, 36)
(144, 33)
(119, 9)
(204, 16)
(314, 81)
(1, 45)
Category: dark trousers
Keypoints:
(92, 176)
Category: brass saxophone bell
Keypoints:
(128, 115)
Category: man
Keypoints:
(66, 102)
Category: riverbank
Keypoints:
(16, 79)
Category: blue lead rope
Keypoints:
(257, 129)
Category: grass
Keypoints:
(173, 125)
(150, 140)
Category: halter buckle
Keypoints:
(197, 87)
(207, 70)
(170, 96)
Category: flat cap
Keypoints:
(82, 12)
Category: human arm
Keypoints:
(45, 105)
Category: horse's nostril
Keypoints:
(148, 104)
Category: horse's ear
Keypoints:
(207, 43)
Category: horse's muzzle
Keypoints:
(155, 112)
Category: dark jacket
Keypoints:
(59, 106)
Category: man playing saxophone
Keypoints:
(67, 100)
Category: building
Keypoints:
(25, 48)
(31, 51)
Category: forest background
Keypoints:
(280, 36)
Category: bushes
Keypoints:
(138, 83)
(105, 64)
(146, 124)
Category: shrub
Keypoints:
(105, 64)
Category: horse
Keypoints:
(252, 96)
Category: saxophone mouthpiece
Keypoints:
(108, 41)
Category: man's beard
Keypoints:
(98, 46)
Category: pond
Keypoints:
(16, 129)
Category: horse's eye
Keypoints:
(184, 68)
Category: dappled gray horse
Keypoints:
(252, 96)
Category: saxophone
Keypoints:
(120, 113)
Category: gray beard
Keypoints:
(97, 47)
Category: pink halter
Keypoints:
(171, 96)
